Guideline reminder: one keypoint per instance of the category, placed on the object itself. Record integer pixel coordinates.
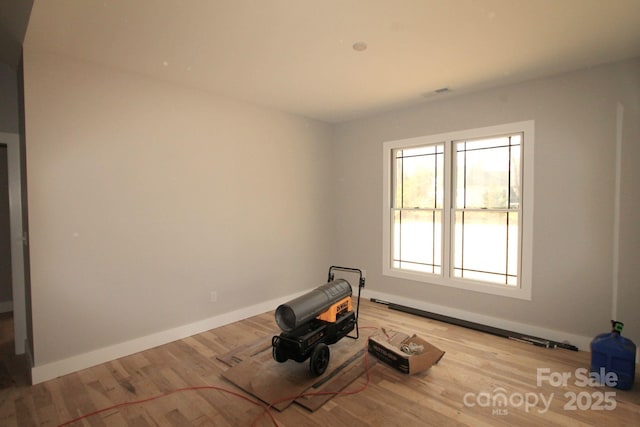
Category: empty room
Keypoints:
(297, 213)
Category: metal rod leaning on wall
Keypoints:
(539, 342)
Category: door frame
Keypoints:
(18, 240)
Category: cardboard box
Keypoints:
(387, 347)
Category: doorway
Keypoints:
(14, 365)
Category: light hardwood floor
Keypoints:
(460, 390)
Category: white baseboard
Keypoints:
(6, 306)
(582, 342)
(75, 363)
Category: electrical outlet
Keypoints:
(213, 296)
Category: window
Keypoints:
(458, 209)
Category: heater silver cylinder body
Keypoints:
(300, 310)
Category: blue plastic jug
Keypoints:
(616, 354)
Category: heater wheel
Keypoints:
(278, 355)
(319, 359)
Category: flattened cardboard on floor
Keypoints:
(254, 370)
(386, 347)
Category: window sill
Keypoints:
(522, 292)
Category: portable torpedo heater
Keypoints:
(315, 320)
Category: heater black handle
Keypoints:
(360, 286)
(361, 282)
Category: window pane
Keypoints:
(414, 266)
(513, 245)
(419, 176)
(439, 175)
(480, 276)
(486, 246)
(420, 151)
(417, 237)
(397, 192)
(514, 186)
(477, 144)
(488, 173)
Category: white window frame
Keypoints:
(523, 290)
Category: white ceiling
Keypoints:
(298, 56)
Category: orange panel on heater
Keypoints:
(342, 306)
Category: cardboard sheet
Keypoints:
(254, 370)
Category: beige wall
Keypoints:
(144, 197)
(575, 128)
(627, 80)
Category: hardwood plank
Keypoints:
(24, 414)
